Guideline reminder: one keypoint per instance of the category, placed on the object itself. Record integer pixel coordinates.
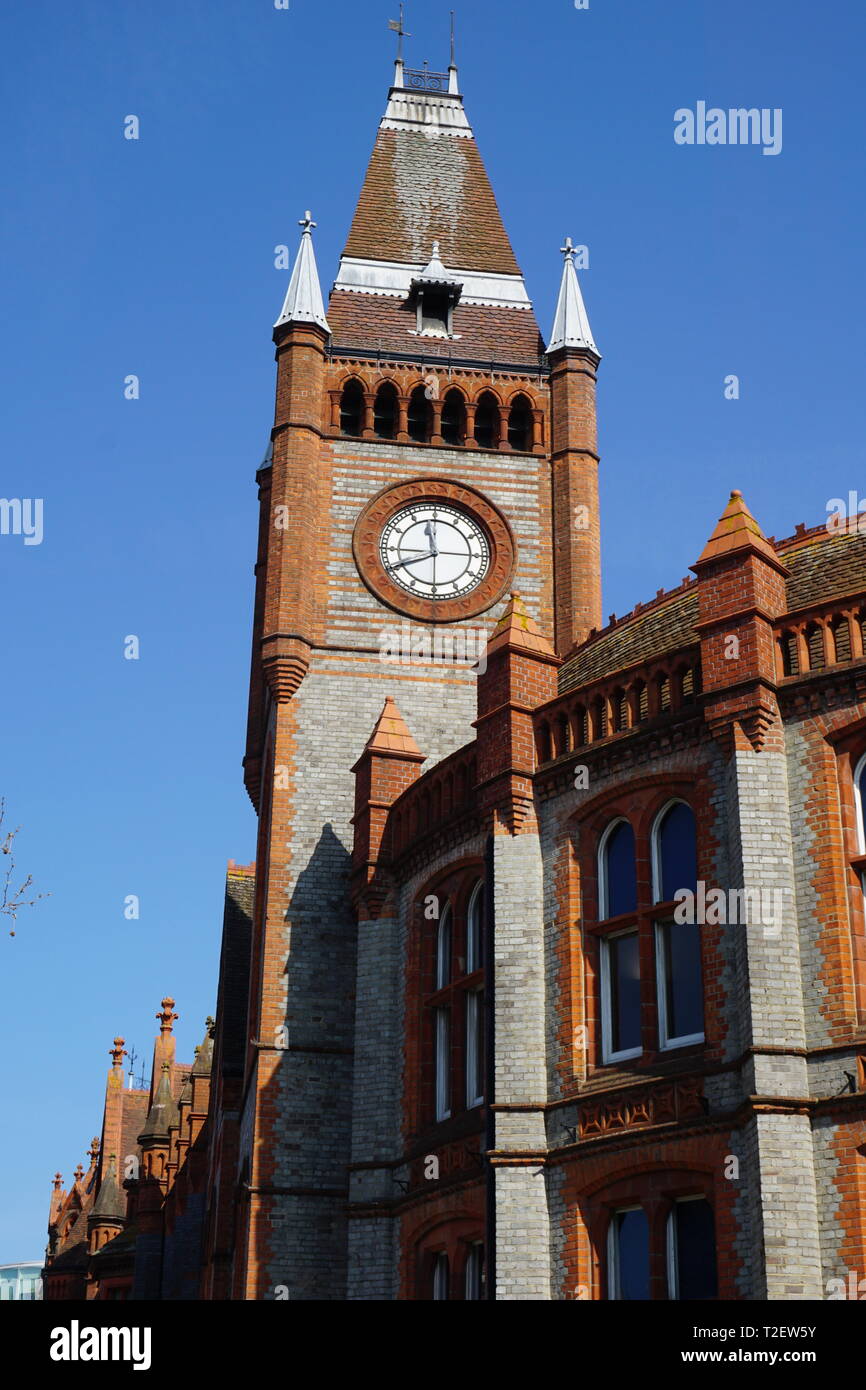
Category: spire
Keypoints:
(571, 324)
(110, 1205)
(163, 1111)
(303, 302)
(391, 735)
(737, 530)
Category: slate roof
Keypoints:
(420, 190)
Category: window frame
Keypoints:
(613, 1281)
(608, 1054)
(672, 1274)
(662, 919)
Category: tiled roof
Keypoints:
(823, 566)
(660, 627)
(419, 190)
(371, 321)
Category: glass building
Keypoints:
(21, 1281)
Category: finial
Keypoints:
(79, 1173)
(94, 1149)
(568, 249)
(397, 26)
(453, 61)
(117, 1052)
(166, 1017)
(166, 1066)
(307, 223)
(58, 1181)
(210, 1023)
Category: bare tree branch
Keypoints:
(12, 899)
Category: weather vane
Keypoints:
(397, 26)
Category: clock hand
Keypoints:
(430, 533)
(414, 560)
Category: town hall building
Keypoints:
(549, 979)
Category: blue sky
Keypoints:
(156, 257)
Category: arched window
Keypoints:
(652, 1258)
(617, 878)
(385, 411)
(860, 798)
(352, 408)
(442, 1083)
(454, 417)
(419, 416)
(678, 933)
(674, 852)
(441, 1279)
(620, 948)
(691, 1250)
(628, 1255)
(487, 421)
(520, 425)
(473, 1274)
(475, 1000)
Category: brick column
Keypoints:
(574, 476)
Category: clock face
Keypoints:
(435, 551)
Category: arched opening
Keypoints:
(842, 639)
(815, 643)
(520, 425)
(454, 417)
(487, 421)
(385, 411)
(352, 408)
(420, 416)
(790, 654)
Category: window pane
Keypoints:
(677, 853)
(474, 932)
(475, 1273)
(474, 1048)
(443, 950)
(684, 995)
(694, 1250)
(620, 884)
(443, 1062)
(631, 1255)
(861, 786)
(624, 976)
(440, 1277)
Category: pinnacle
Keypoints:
(391, 734)
(517, 628)
(736, 529)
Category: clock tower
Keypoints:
(427, 458)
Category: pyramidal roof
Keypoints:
(425, 184)
(571, 321)
(518, 630)
(303, 302)
(391, 735)
(735, 530)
